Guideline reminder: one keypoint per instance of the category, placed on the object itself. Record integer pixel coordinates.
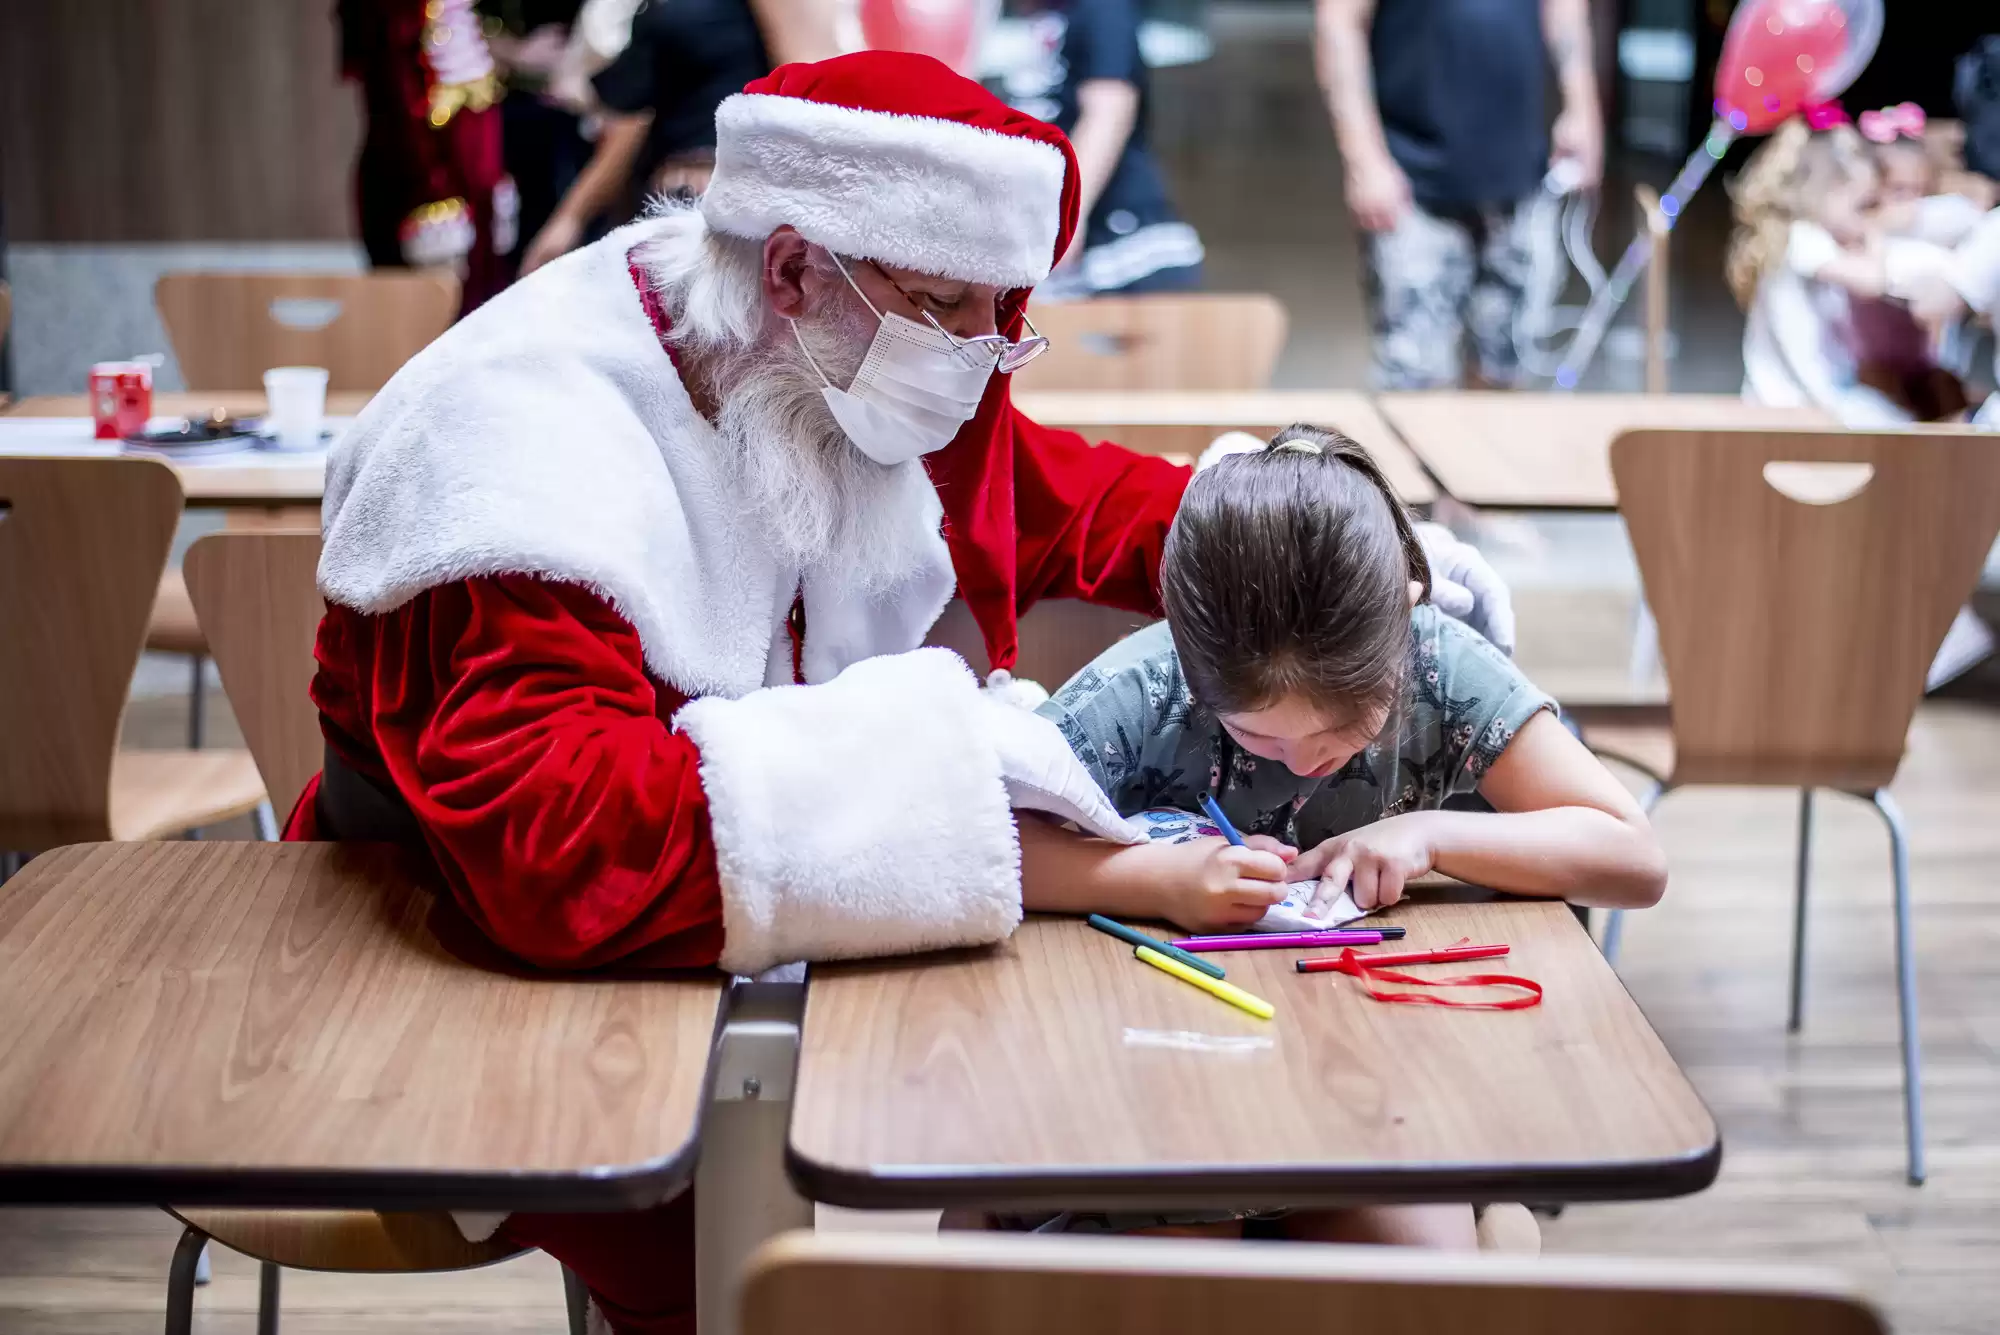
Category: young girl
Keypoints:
(1802, 252)
(1301, 678)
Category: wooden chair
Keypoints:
(1220, 341)
(351, 1242)
(260, 608)
(1058, 636)
(82, 544)
(229, 328)
(1802, 582)
(987, 1284)
(1659, 228)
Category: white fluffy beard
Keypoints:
(822, 502)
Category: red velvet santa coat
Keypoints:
(518, 694)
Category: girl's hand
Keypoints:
(1214, 884)
(1372, 863)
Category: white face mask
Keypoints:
(913, 392)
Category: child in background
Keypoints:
(1914, 202)
(1803, 252)
(1300, 678)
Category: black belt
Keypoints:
(354, 806)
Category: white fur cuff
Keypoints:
(863, 817)
(933, 195)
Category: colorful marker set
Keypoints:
(1190, 969)
(1180, 958)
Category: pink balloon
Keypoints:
(1781, 56)
(946, 29)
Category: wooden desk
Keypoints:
(277, 1025)
(1045, 1071)
(1553, 451)
(1183, 423)
(237, 403)
(249, 478)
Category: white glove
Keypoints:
(1226, 444)
(1043, 774)
(1465, 588)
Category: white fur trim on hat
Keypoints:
(921, 193)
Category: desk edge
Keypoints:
(623, 1187)
(1269, 1186)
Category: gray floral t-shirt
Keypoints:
(1132, 722)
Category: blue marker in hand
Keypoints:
(1214, 810)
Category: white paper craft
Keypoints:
(1168, 826)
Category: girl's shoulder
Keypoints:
(1140, 670)
(1448, 646)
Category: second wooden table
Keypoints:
(1553, 451)
(279, 1025)
(1057, 1070)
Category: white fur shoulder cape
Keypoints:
(549, 434)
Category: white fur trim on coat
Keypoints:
(548, 434)
(932, 195)
(867, 816)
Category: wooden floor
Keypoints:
(1813, 1163)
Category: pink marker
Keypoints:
(1278, 940)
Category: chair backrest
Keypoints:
(1167, 341)
(82, 545)
(259, 608)
(229, 328)
(1058, 636)
(972, 1284)
(1796, 633)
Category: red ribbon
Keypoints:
(1357, 966)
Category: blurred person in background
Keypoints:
(658, 101)
(1439, 109)
(1089, 80)
(430, 185)
(541, 139)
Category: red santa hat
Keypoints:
(890, 156)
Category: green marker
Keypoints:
(1130, 937)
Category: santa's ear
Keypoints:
(788, 273)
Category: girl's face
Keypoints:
(1844, 208)
(1906, 174)
(1302, 737)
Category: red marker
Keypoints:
(1347, 961)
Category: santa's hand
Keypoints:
(1226, 444)
(1465, 588)
(1043, 774)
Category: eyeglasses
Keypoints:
(1004, 354)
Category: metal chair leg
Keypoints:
(267, 822)
(267, 1298)
(1906, 985)
(1798, 998)
(576, 1301)
(180, 1281)
(197, 702)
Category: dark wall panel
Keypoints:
(174, 120)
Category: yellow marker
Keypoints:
(1229, 992)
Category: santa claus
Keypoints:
(626, 574)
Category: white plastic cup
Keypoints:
(297, 405)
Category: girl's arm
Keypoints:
(1199, 886)
(1563, 828)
